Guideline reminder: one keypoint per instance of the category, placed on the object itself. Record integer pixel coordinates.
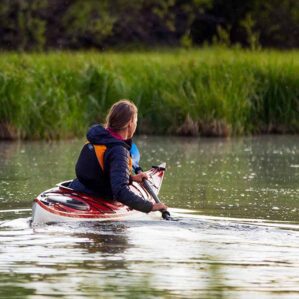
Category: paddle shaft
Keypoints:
(147, 186)
(135, 154)
(165, 213)
(151, 191)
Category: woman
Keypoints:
(104, 164)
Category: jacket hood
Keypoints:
(97, 134)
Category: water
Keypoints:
(237, 237)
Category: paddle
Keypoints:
(135, 154)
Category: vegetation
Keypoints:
(211, 92)
(98, 24)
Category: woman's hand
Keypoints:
(143, 176)
(139, 177)
(159, 207)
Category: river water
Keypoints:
(237, 201)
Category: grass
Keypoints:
(211, 92)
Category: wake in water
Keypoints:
(243, 254)
(14, 218)
(183, 218)
(189, 229)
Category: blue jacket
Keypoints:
(113, 182)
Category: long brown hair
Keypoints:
(120, 115)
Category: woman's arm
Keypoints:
(118, 160)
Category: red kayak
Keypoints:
(63, 204)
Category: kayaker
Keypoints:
(104, 164)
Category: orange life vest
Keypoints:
(100, 152)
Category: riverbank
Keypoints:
(208, 92)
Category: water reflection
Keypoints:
(106, 238)
(11, 286)
(28, 168)
(252, 177)
(198, 257)
(238, 234)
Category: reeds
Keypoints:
(215, 92)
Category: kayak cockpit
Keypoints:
(52, 198)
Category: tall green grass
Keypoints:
(211, 91)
